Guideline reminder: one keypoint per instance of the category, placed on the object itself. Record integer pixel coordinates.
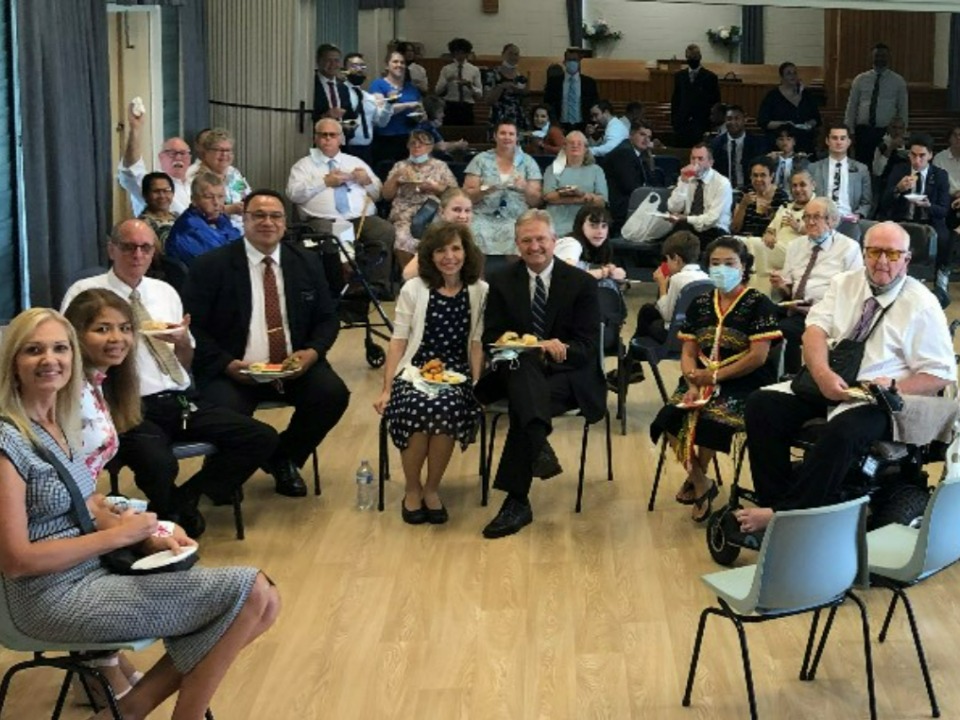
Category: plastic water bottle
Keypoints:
(364, 486)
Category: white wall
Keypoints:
(794, 34)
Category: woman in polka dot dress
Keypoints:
(439, 315)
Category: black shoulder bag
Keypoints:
(844, 360)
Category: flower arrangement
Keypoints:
(600, 32)
(729, 36)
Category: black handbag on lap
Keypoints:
(423, 217)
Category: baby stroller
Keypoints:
(349, 286)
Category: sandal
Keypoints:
(685, 494)
(705, 499)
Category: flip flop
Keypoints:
(684, 495)
(706, 498)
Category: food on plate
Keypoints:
(291, 364)
(153, 325)
(261, 367)
(434, 371)
(512, 338)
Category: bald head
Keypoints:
(131, 249)
(328, 136)
(175, 158)
(886, 249)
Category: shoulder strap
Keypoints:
(877, 321)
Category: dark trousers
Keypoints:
(650, 323)
(243, 445)
(535, 396)
(774, 418)
(458, 113)
(866, 142)
(319, 398)
(792, 326)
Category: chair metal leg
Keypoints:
(484, 462)
(623, 385)
(806, 655)
(868, 657)
(62, 696)
(664, 395)
(656, 477)
(490, 443)
(238, 512)
(744, 656)
(811, 669)
(716, 469)
(889, 616)
(583, 463)
(316, 474)
(934, 708)
(383, 469)
(609, 448)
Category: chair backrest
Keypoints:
(923, 242)
(640, 194)
(613, 313)
(693, 290)
(938, 544)
(670, 166)
(810, 557)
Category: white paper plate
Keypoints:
(175, 330)
(416, 115)
(265, 377)
(519, 347)
(694, 404)
(455, 379)
(914, 197)
(164, 557)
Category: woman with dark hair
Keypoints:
(505, 89)
(157, 189)
(588, 246)
(752, 214)
(459, 83)
(438, 320)
(788, 104)
(546, 138)
(726, 338)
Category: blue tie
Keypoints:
(573, 101)
(341, 193)
(539, 308)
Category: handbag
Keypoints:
(844, 359)
(423, 217)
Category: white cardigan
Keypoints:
(411, 316)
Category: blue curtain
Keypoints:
(195, 91)
(9, 256)
(953, 84)
(751, 47)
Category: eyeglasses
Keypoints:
(812, 218)
(176, 153)
(222, 150)
(260, 216)
(892, 255)
(209, 197)
(161, 190)
(128, 248)
(326, 135)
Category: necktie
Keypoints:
(738, 163)
(874, 97)
(159, 350)
(572, 108)
(731, 152)
(835, 193)
(862, 329)
(538, 308)
(460, 81)
(696, 207)
(276, 338)
(917, 212)
(641, 171)
(332, 92)
(802, 285)
(341, 194)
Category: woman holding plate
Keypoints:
(390, 141)
(438, 318)
(726, 337)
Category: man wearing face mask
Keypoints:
(695, 91)
(810, 264)
(572, 94)
(906, 342)
(365, 113)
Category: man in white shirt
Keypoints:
(876, 97)
(174, 158)
(842, 179)
(329, 185)
(459, 84)
(702, 199)
(811, 262)
(366, 112)
(905, 340)
(949, 159)
(615, 130)
(172, 411)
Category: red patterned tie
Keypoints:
(332, 91)
(271, 304)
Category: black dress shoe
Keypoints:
(634, 375)
(288, 479)
(513, 516)
(546, 465)
(414, 517)
(188, 516)
(438, 516)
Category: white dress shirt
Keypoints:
(946, 160)
(258, 343)
(717, 200)
(546, 275)
(307, 190)
(891, 101)
(616, 131)
(131, 180)
(377, 113)
(667, 302)
(838, 253)
(162, 302)
(843, 197)
(449, 90)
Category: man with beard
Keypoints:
(906, 342)
(174, 157)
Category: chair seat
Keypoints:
(734, 587)
(12, 639)
(890, 550)
(184, 450)
(646, 348)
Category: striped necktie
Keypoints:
(159, 350)
(538, 308)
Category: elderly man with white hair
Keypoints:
(174, 159)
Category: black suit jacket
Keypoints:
(573, 316)
(625, 173)
(753, 145)
(553, 95)
(691, 102)
(218, 298)
(321, 103)
(894, 206)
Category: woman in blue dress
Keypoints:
(390, 141)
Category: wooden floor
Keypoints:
(578, 616)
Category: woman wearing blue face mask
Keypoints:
(726, 338)
(410, 184)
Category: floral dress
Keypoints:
(510, 105)
(495, 214)
(408, 199)
(98, 436)
(723, 338)
(454, 411)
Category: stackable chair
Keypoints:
(809, 561)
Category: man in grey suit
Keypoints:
(843, 179)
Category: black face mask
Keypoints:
(693, 63)
(356, 78)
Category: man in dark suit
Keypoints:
(258, 301)
(331, 96)
(920, 193)
(735, 150)
(557, 303)
(630, 166)
(695, 91)
(572, 94)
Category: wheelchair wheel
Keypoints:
(904, 505)
(375, 355)
(718, 543)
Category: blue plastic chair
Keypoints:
(809, 561)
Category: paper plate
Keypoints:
(519, 347)
(266, 376)
(914, 197)
(694, 404)
(164, 557)
(175, 330)
(455, 379)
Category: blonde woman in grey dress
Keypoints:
(51, 572)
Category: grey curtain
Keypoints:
(953, 84)
(337, 23)
(195, 91)
(751, 47)
(63, 75)
(575, 22)
(172, 3)
(376, 4)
